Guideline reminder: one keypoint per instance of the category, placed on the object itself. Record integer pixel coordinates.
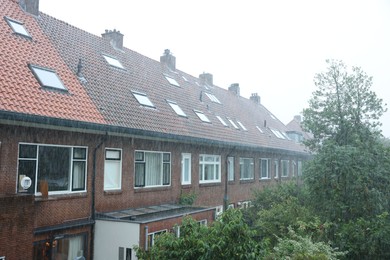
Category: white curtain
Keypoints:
(153, 169)
(112, 174)
(76, 247)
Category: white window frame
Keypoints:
(185, 169)
(215, 163)
(252, 168)
(265, 161)
(176, 108)
(144, 161)
(213, 98)
(218, 211)
(72, 161)
(172, 81)
(152, 236)
(202, 116)
(221, 120)
(116, 161)
(17, 27)
(47, 78)
(142, 99)
(230, 168)
(276, 169)
(285, 168)
(242, 126)
(113, 61)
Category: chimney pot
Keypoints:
(235, 88)
(115, 38)
(298, 118)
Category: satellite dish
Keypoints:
(25, 182)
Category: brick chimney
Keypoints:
(30, 6)
(235, 88)
(206, 78)
(115, 38)
(255, 98)
(168, 59)
(298, 118)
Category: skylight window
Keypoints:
(113, 62)
(233, 124)
(176, 108)
(213, 98)
(278, 134)
(172, 81)
(202, 116)
(258, 128)
(222, 121)
(17, 27)
(242, 126)
(272, 116)
(47, 78)
(142, 99)
(185, 79)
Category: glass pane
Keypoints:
(78, 180)
(166, 157)
(143, 100)
(79, 153)
(27, 168)
(54, 167)
(186, 170)
(112, 174)
(19, 28)
(113, 62)
(27, 151)
(153, 169)
(113, 154)
(166, 173)
(48, 78)
(139, 156)
(139, 174)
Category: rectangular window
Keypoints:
(299, 168)
(222, 121)
(152, 237)
(202, 116)
(122, 255)
(113, 62)
(185, 168)
(112, 169)
(152, 169)
(285, 168)
(142, 99)
(230, 168)
(247, 168)
(17, 27)
(176, 108)
(68, 247)
(264, 169)
(276, 169)
(62, 169)
(47, 78)
(293, 169)
(209, 168)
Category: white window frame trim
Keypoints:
(213, 163)
(183, 157)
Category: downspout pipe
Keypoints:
(93, 210)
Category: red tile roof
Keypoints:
(20, 92)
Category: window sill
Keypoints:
(186, 186)
(150, 189)
(247, 181)
(61, 196)
(210, 184)
(112, 192)
(265, 179)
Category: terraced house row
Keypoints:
(102, 148)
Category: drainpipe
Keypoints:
(103, 139)
(146, 237)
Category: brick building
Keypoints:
(99, 144)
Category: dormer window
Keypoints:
(47, 78)
(242, 126)
(213, 98)
(17, 27)
(142, 99)
(202, 116)
(113, 62)
(176, 108)
(172, 81)
(233, 124)
(221, 120)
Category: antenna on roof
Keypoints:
(79, 69)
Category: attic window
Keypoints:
(142, 99)
(176, 108)
(222, 121)
(113, 62)
(278, 134)
(202, 116)
(213, 98)
(233, 124)
(185, 79)
(258, 128)
(172, 81)
(242, 126)
(47, 78)
(17, 27)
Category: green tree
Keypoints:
(348, 178)
(343, 109)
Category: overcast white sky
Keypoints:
(273, 48)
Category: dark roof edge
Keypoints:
(96, 128)
(67, 225)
